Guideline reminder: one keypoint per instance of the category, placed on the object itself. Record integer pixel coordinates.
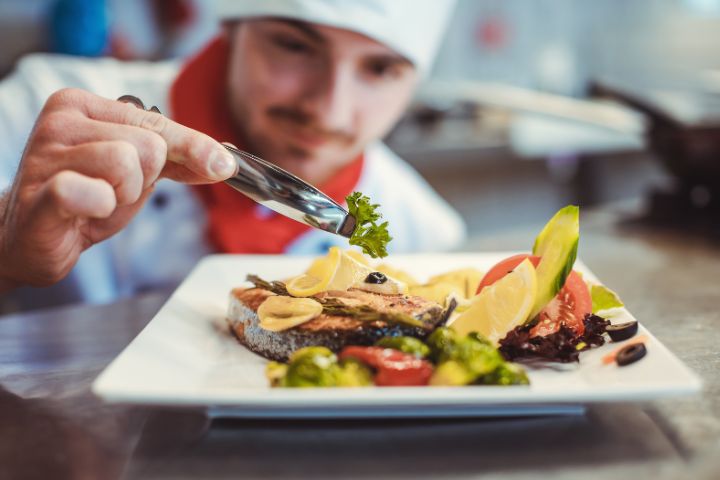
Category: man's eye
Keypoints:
(384, 69)
(292, 45)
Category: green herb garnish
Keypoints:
(368, 234)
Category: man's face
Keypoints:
(308, 97)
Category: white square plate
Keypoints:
(186, 357)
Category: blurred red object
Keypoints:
(492, 33)
(174, 14)
(169, 21)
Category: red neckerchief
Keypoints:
(236, 223)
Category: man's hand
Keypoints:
(88, 167)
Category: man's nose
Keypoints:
(333, 98)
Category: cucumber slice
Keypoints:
(557, 246)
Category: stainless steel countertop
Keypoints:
(52, 426)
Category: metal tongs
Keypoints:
(283, 192)
(279, 190)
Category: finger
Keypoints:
(121, 216)
(195, 151)
(50, 227)
(150, 147)
(116, 162)
(181, 174)
(70, 194)
(70, 197)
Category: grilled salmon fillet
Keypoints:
(331, 331)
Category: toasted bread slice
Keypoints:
(331, 331)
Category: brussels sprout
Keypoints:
(410, 345)
(478, 358)
(275, 373)
(451, 373)
(505, 374)
(312, 367)
(353, 373)
(479, 337)
(441, 342)
(312, 351)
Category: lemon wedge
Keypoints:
(278, 312)
(499, 308)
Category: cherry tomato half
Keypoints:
(394, 368)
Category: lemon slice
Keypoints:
(323, 265)
(319, 267)
(339, 270)
(306, 285)
(499, 308)
(336, 271)
(318, 276)
(354, 254)
(349, 272)
(278, 313)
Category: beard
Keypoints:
(315, 157)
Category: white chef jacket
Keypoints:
(168, 236)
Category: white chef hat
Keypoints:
(413, 28)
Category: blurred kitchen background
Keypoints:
(532, 104)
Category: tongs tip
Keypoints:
(348, 226)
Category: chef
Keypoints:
(310, 85)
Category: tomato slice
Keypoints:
(504, 267)
(394, 368)
(569, 307)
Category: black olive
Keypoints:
(622, 331)
(630, 354)
(376, 278)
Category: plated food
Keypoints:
(274, 324)
(346, 321)
(186, 356)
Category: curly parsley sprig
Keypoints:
(369, 235)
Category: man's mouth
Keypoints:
(307, 138)
(300, 131)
